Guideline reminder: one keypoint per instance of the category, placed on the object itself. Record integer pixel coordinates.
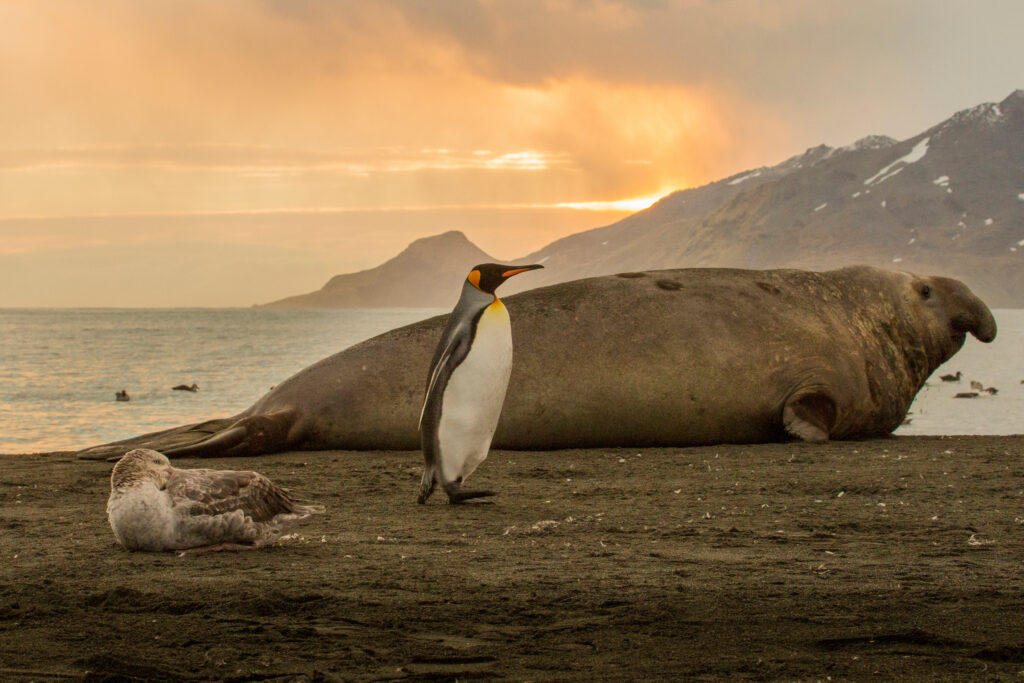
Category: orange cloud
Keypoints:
(239, 120)
(208, 86)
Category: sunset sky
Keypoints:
(228, 152)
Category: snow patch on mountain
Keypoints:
(915, 155)
(747, 176)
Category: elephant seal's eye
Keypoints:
(926, 292)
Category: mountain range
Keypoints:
(948, 201)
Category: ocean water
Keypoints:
(60, 369)
(999, 364)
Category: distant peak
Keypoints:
(448, 245)
(453, 240)
(450, 237)
(818, 151)
(987, 113)
(871, 142)
(1013, 101)
(810, 157)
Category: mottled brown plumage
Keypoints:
(154, 506)
(214, 492)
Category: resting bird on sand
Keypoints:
(154, 506)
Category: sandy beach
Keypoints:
(890, 558)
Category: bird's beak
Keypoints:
(520, 269)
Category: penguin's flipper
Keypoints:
(441, 369)
(457, 495)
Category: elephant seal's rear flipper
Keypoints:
(252, 435)
(162, 441)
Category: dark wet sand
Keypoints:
(899, 558)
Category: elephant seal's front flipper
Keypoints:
(810, 416)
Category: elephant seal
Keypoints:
(671, 357)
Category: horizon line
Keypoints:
(630, 205)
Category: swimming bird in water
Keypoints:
(154, 506)
(184, 387)
(122, 396)
(951, 378)
(982, 389)
(466, 384)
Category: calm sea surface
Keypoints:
(60, 369)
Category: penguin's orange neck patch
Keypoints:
(474, 278)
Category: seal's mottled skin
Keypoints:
(671, 357)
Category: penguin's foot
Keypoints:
(424, 494)
(426, 486)
(457, 495)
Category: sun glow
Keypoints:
(635, 204)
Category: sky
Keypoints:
(198, 153)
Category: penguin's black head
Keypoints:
(488, 276)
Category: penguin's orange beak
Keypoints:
(520, 269)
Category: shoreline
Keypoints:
(895, 557)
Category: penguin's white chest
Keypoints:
(474, 395)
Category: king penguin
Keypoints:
(466, 384)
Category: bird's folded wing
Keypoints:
(214, 492)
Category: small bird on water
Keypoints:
(466, 384)
(951, 378)
(154, 506)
